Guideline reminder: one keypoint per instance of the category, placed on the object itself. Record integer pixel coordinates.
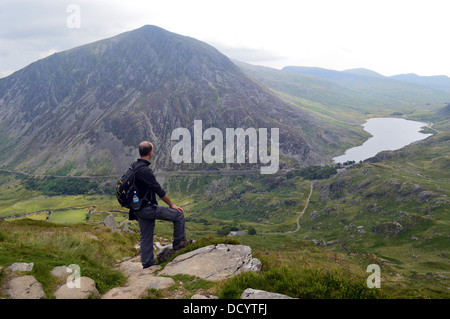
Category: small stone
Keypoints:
(202, 296)
(250, 293)
(131, 265)
(21, 267)
(60, 271)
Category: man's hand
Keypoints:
(166, 199)
(178, 208)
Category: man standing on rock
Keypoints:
(147, 184)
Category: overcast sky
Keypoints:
(386, 36)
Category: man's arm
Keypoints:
(167, 200)
(152, 183)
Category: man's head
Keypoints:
(146, 149)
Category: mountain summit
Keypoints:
(85, 110)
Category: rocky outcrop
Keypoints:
(214, 262)
(388, 229)
(24, 287)
(138, 284)
(250, 293)
(111, 223)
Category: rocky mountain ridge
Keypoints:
(85, 110)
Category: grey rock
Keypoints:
(60, 271)
(214, 262)
(138, 284)
(250, 293)
(125, 227)
(21, 267)
(204, 296)
(110, 222)
(25, 287)
(87, 289)
(93, 237)
(131, 265)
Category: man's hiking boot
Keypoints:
(183, 243)
(164, 253)
(167, 251)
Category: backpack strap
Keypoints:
(134, 178)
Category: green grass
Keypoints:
(48, 245)
(304, 271)
(75, 216)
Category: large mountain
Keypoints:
(85, 110)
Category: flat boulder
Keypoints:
(86, 289)
(214, 262)
(25, 287)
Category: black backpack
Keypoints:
(125, 188)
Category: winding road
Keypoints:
(303, 211)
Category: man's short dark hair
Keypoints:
(145, 148)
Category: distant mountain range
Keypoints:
(345, 98)
(439, 82)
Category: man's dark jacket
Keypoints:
(146, 184)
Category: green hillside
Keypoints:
(394, 207)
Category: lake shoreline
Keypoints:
(386, 134)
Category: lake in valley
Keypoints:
(388, 134)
